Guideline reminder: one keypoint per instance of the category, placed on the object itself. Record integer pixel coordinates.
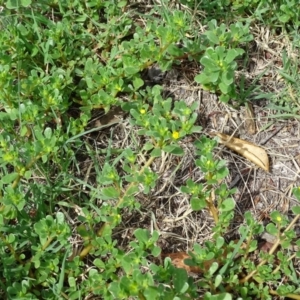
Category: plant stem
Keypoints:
(11, 249)
(287, 296)
(210, 203)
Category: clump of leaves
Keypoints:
(219, 58)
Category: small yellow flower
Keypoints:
(175, 135)
(279, 219)
(142, 111)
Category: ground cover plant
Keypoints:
(94, 147)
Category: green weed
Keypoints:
(60, 62)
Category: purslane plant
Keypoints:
(218, 60)
(59, 62)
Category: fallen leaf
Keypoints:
(250, 151)
(265, 246)
(111, 117)
(177, 260)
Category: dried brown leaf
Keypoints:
(177, 260)
(250, 151)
